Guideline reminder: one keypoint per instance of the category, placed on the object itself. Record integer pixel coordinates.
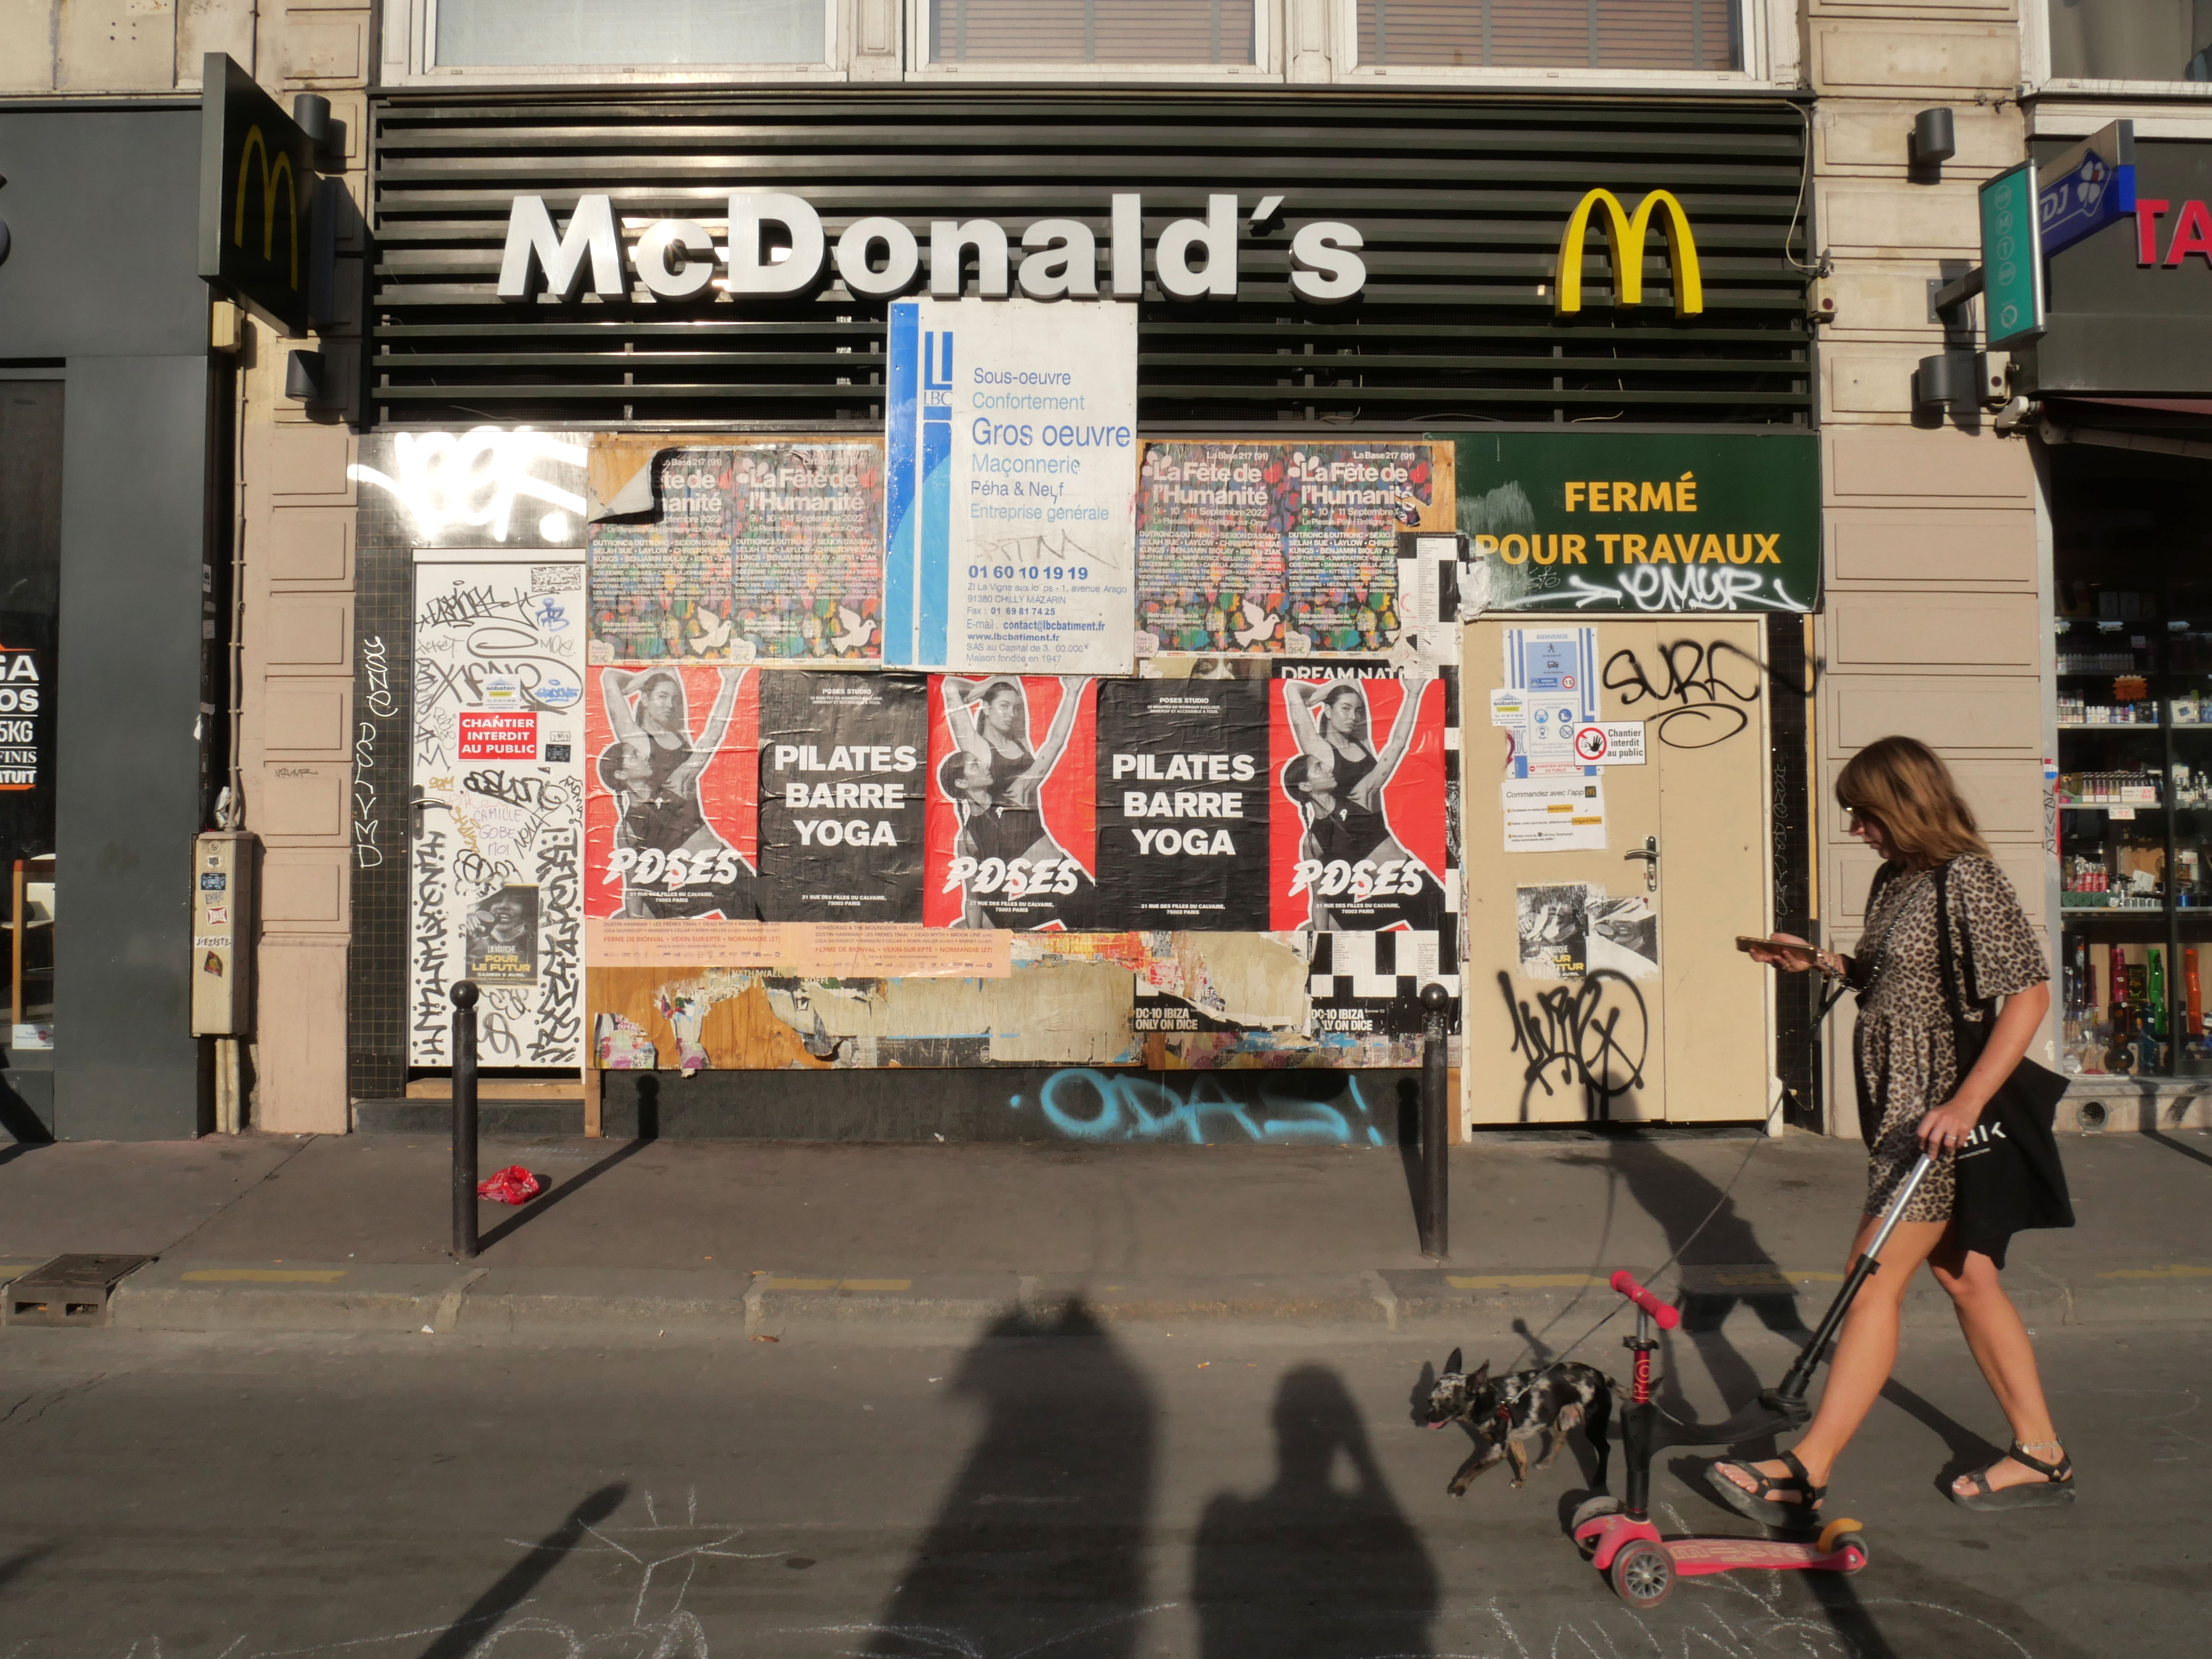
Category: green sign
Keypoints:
(1650, 523)
(2012, 256)
(257, 168)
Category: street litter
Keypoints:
(513, 1185)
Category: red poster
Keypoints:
(1013, 832)
(1357, 838)
(672, 808)
(493, 734)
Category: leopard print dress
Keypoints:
(1907, 1061)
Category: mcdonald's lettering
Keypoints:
(1625, 238)
(272, 177)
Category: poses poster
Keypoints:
(1183, 803)
(674, 817)
(1012, 818)
(842, 798)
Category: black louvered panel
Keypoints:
(1461, 200)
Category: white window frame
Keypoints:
(1266, 60)
(1771, 58)
(409, 59)
(2035, 68)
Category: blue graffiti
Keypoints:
(1086, 1104)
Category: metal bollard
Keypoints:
(465, 1120)
(1435, 1206)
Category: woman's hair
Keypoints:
(991, 691)
(952, 776)
(1902, 783)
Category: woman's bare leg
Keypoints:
(1866, 1352)
(1994, 1330)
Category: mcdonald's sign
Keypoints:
(1624, 235)
(257, 174)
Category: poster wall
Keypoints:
(494, 863)
(1012, 448)
(673, 827)
(842, 765)
(1183, 802)
(1274, 547)
(748, 551)
(1012, 837)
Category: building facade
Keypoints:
(444, 424)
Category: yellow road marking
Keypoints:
(264, 1275)
(2176, 1270)
(1521, 1281)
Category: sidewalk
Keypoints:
(276, 1232)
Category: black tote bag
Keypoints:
(2009, 1178)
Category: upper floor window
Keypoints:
(2130, 39)
(1613, 34)
(626, 33)
(1092, 31)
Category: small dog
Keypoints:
(1503, 1416)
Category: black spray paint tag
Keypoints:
(841, 796)
(1182, 804)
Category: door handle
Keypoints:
(1650, 853)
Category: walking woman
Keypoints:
(1906, 806)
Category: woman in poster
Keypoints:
(1337, 779)
(993, 778)
(652, 768)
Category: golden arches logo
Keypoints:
(1625, 238)
(269, 177)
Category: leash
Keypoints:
(1719, 1204)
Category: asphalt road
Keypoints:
(1221, 1492)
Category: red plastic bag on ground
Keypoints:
(513, 1185)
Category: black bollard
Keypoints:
(1435, 1075)
(465, 1120)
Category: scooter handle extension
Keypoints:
(1623, 1282)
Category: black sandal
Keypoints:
(1760, 1506)
(2054, 1490)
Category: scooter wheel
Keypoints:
(1642, 1573)
(1834, 1531)
(1590, 1509)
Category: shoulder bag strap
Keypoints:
(1966, 1040)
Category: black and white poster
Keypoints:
(1183, 804)
(500, 936)
(1553, 924)
(842, 796)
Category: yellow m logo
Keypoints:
(1625, 236)
(270, 177)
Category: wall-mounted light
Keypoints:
(1935, 139)
(311, 112)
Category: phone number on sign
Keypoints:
(1032, 573)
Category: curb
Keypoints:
(446, 1299)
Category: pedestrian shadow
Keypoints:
(1039, 1542)
(22, 1561)
(537, 1207)
(514, 1586)
(1323, 1564)
(2167, 1140)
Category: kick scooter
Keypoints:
(1618, 1535)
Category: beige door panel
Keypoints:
(1692, 1043)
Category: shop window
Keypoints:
(1613, 34)
(30, 597)
(2133, 646)
(2130, 39)
(1092, 31)
(626, 33)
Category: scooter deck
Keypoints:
(1697, 1557)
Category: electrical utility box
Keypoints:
(222, 933)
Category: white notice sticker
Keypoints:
(1553, 814)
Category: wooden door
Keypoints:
(1601, 982)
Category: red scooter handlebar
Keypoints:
(1668, 1317)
